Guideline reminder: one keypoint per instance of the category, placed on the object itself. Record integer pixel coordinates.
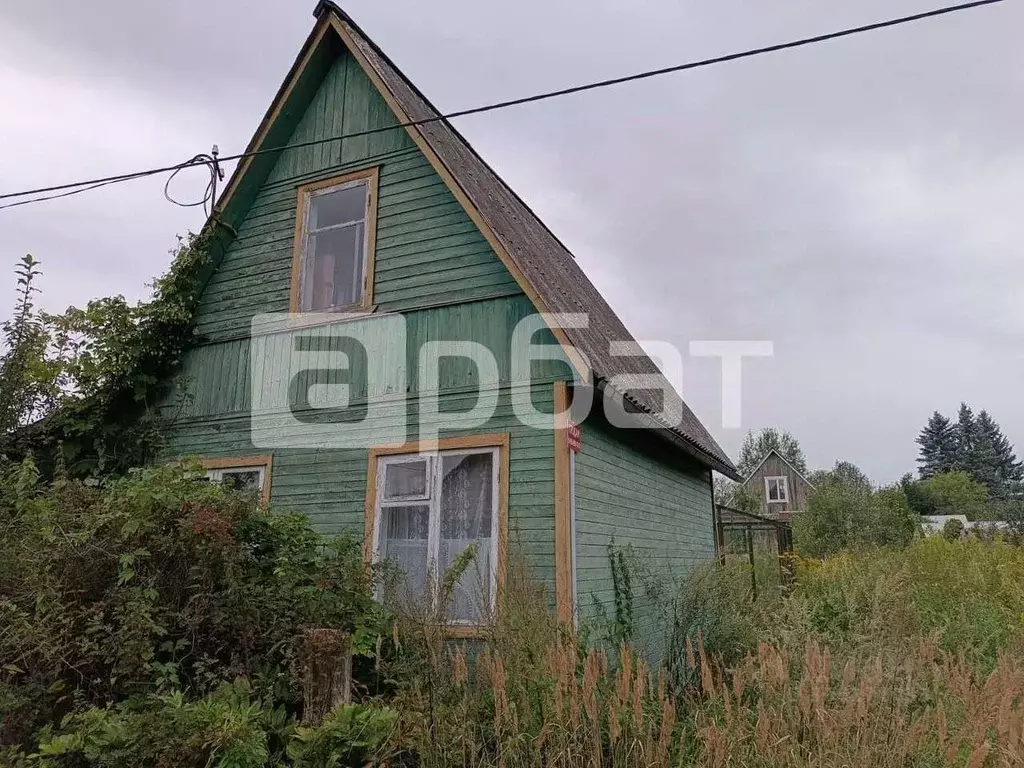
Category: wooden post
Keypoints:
(750, 557)
(326, 668)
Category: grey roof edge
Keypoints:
(666, 432)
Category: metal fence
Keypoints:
(766, 545)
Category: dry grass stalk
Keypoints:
(531, 697)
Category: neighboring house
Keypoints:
(408, 231)
(779, 487)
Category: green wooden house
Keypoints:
(402, 232)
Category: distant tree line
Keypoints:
(974, 445)
(965, 467)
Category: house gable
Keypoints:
(460, 257)
(774, 465)
(428, 250)
(539, 263)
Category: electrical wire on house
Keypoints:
(209, 198)
(212, 161)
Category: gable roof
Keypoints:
(544, 268)
(784, 461)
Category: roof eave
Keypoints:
(652, 424)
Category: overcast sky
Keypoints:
(858, 203)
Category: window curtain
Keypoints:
(405, 544)
(466, 509)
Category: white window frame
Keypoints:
(216, 475)
(214, 469)
(783, 486)
(433, 501)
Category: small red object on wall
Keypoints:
(574, 436)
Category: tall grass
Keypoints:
(884, 658)
(925, 708)
(969, 595)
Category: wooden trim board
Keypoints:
(563, 508)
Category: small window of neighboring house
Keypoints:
(334, 244)
(777, 490)
(247, 476)
(429, 510)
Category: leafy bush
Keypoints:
(842, 516)
(98, 375)
(950, 493)
(226, 728)
(953, 530)
(348, 736)
(157, 585)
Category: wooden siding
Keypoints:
(432, 265)
(428, 249)
(627, 493)
(775, 466)
(329, 485)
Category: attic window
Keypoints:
(776, 489)
(332, 265)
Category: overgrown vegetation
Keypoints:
(154, 620)
(894, 657)
(153, 617)
(84, 388)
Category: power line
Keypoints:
(85, 186)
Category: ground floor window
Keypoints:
(429, 509)
(247, 474)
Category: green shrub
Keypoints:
(953, 530)
(349, 736)
(226, 729)
(842, 516)
(156, 585)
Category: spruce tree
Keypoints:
(938, 446)
(994, 460)
(966, 436)
(975, 445)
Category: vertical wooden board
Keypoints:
(357, 115)
(563, 506)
